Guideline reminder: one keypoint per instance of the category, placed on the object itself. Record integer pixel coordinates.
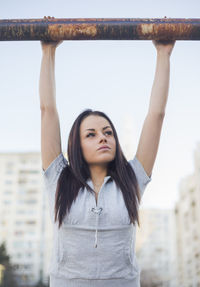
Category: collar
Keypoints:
(106, 179)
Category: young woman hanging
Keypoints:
(94, 194)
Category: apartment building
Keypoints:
(24, 216)
(187, 214)
(156, 248)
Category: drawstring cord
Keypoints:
(97, 211)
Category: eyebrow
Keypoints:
(102, 129)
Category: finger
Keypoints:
(165, 42)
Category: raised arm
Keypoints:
(151, 131)
(50, 126)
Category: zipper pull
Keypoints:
(98, 212)
(95, 245)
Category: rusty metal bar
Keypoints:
(100, 29)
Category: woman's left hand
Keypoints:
(164, 46)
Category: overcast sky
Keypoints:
(112, 76)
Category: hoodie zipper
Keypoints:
(97, 210)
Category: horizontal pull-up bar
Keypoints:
(99, 29)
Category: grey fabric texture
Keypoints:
(95, 245)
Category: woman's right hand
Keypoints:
(50, 44)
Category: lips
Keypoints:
(104, 147)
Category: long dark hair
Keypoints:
(76, 173)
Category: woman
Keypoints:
(94, 195)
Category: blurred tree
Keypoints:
(8, 278)
(41, 284)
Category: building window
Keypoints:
(6, 202)
(31, 201)
(18, 222)
(9, 172)
(21, 211)
(31, 233)
(32, 191)
(18, 244)
(7, 192)
(22, 180)
(31, 211)
(18, 232)
(193, 204)
(31, 222)
(8, 181)
(28, 266)
(29, 171)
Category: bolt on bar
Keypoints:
(54, 29)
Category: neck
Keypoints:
(98, 173)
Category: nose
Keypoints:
(102, 138)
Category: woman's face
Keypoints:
(95, 133)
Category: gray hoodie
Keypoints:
(95, 245)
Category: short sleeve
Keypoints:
(141, 175)
(52, 173)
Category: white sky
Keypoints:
(113, 76)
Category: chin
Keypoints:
(105, 160)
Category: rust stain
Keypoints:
(146, 28)
(72, 31)
(164, 31)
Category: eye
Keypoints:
(109, 133)
(90, 134)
